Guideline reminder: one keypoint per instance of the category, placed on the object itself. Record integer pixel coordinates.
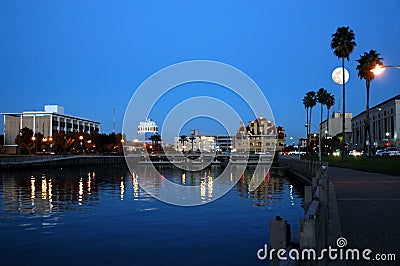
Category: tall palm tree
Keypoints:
(322, 96)
(343, 45)
(330, 101)
(366, 63)
(309, 101)
(155, 139)
(305, 102)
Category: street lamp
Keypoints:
(81, 139)
(51, 143)
(379, 69)
(34, 140)
(45, 143)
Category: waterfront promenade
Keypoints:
(369, 210)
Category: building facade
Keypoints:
(333, 125)
(51, 120)
(259, 135)
(200, 143)
(384, 125)
(146, 127)
(224, 142)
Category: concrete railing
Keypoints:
(304, 168)
(313, 227)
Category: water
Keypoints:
(102, 217)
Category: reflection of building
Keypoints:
(384, 124)
(260, 135)
(48, 194)
(335, 122)
(52, 119)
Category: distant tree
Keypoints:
(155, 141)
(322, 97)
(310, 100)
(37, 140)
(24, 140)
(342, 44)
(330, 101)
(183, 139)
(366, 63)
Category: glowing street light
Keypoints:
(379, 69)
(81, 139)
(34, 140)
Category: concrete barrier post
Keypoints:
(279, 233)
(308, 196)
(307, 233)
(279, 237)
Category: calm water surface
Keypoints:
(102, 217)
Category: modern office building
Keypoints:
(224, 142)
(384, 125)
(333, 125)
(259, 135)
(51, 120)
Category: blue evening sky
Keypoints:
(90, 56)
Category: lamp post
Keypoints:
(65, 144)
(51, 143)
(387, 139)
(122, 145)
(44, 140)
(34, 141)
(19, 145)
(81, 142)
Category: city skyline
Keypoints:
(90, 58)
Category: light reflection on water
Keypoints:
(105, 212)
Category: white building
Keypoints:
(52, 119)
(384, 125)
(333, 125)
(200, 143)
(148, 126)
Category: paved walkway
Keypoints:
(369, 211)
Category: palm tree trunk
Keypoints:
(327, 122)
(320, 136)
(307, 129)
(367, 124)
(343, 144)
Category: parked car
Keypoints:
(379, 153)
(391, 151)
(355, 153)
